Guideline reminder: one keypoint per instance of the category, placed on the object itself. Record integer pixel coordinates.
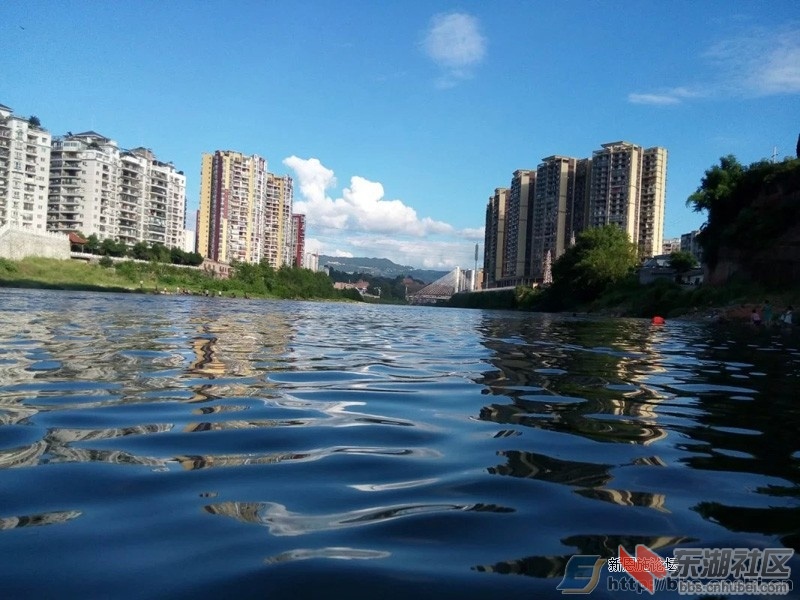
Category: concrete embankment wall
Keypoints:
(17, 243)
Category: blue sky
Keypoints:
(398, 119)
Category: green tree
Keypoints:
(110, 247)
(34, 121)
(159, 252)
(600, 257)
(177, 256)
(92, 244)
(717, 185)
(682, 261)
(748, 207)
(140, 251)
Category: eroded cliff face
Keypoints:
(777, 261)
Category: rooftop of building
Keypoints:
(89, 134)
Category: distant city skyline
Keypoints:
(398, 120)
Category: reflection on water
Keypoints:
(437, 450)
(282, 522)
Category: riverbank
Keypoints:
(731, 302)
(130, 277)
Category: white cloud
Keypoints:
(477, 234)
(666, 97)
(760, 61)
(757, 62)
(454, 42)
(362, 223)
(314, 245)
(313, 178)
(361, 207)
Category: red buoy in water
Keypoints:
(658, 320)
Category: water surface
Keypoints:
(171, 446)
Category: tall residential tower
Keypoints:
(628, 188)
(622, 184)
(24, 171)
(245, 211)
(233, 193)
(125, 195)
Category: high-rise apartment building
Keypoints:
(152, 205)
(616, 177)
(125, 195)
(553, 198)
(24, 171)
(298, 240)
(245, 211)
(233, 198)
(578, 208)
(85, 195)
(495, 238)
(622, 184)
(652, 201)
(519, 222)
(628, 188)
(278, 220)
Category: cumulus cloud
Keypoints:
(756, 62)
(454, 42)
(362, 206)
(312, 177)
(361, 222)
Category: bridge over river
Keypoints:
(457, 280)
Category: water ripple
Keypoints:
(434, 447)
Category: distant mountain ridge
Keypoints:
(380, 267)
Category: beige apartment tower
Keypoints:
(555, 187)
(495, 241)
(545, 210)
(517, 245)
(628, 188)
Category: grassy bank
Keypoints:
(63, 275)
(259, 282)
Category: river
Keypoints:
(178, 446)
